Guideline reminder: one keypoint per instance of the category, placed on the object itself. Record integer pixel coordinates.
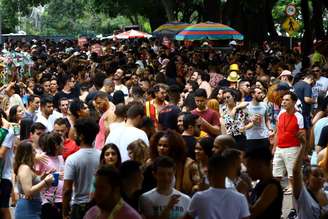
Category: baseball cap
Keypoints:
(282, 86)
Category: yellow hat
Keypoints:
(234, 67)
(233, 77)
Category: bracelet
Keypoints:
(46, 183)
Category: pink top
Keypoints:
(101, 136)
(126, 212)
(53, 194)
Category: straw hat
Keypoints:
(233, 67)
(233, 77)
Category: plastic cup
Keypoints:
(16, 128)
(56, 178)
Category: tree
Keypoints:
(253, 18)
(77, 17)
(212, 10)
(317, 19)
(12, 10)
(307, 42)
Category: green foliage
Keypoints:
(10, 11)
(279, 15)
(91, 17)
(76, 17)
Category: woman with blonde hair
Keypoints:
(213, 104)
(138, 151)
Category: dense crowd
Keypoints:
(137, 129)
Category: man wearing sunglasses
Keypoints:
(321, 84)
(245, 88)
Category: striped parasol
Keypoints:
(170, 29)
(210, 31)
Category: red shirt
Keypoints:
(209, 115)
(288, 125)
(70, 147)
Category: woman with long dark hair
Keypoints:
(234, 118)
(171, 144)
(110, 155)
(29, 184)
(203, 151)
(52, 145)
(16, 114)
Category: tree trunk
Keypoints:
(211, 10)
(317, 20)
(325, 4)
(270, 24)
(155, 12)
(254, 21)
(169, 9)
(232, 11)
(132, 19)
(307, 42)
(157, 20)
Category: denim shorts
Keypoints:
(28, 209)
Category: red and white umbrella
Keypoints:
(132, 34)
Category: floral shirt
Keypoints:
(233, 124)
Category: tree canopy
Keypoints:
(256, 19)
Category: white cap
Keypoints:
(233, 43)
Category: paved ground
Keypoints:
(286, 205)
(287, 202)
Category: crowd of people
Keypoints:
(137, 129)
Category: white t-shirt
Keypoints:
(321, 86)
(122, 88)
(54, 116)
(216, 203)
(8, 142)
(123, 135)
(229, 184)
(307, 207)
(152, 204)
(46, 122)
(318, 126)
(259, 130)
(81, 167)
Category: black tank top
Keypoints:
(274, 210)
